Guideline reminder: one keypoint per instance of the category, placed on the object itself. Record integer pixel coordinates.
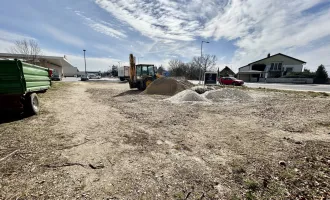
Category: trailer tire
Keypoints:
(121, 79)
(32, 104)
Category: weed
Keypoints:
(250, 196)
(251, 185)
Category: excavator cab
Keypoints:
(141, 75)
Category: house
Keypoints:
(59, 64)
(226, 72)
(274, 66)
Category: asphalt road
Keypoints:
(296, 87)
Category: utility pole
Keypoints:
(200, 72)
(85, 63)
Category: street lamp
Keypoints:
(139, 59)
(85, 63)
(200, 72)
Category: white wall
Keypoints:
(70, 71)
(296, 68)
(246, 68)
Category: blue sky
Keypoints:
(156, 31)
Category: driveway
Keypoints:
(296, 87)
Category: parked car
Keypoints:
(93, 76)
(56, 77)
(84, 78)
(230, 81)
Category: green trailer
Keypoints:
(19, 84)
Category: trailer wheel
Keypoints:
(32, 104)
(121, 79)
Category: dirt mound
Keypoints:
(186, 83)
(202, 89)
(227, 94)
(187, 96)
(167, 86)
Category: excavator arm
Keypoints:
(132, 68)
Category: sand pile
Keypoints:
(226, 94)
(167, 86)
(187, 96)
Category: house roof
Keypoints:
(279, 54)
(227, 68)
(60, 61)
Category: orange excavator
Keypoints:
(141, 75)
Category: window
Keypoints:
(151, 70)
(276, 67)
(144, 70)
(138, 71)
(290, 69)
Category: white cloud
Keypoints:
(7, 39)
(105, 48)
(92, 63)
(258, 27)
(162, 19)
(5, 46)
(62, 36)
(10, 36)
(262, 27)
(104, 27)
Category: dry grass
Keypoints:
(152, 149)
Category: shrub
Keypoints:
(321, 75)
(305, 74)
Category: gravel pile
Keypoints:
(167, 86)
(187, 96)
(227, 94)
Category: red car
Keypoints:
(230, 81)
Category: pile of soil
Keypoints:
(167, 86)
(226, 94)
(202, 89)
(187, 96)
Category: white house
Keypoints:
(274, 66)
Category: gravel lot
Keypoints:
(100, 140)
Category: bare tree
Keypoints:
(207, 62)
(29, 49)
(177, 68)
(175, 63)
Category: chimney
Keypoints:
(268, 55)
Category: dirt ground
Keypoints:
(99, 140)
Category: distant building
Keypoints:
(225, 72)
(274, 66)
(60, 64)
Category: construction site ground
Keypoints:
(99, 140)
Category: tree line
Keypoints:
(194, 69)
